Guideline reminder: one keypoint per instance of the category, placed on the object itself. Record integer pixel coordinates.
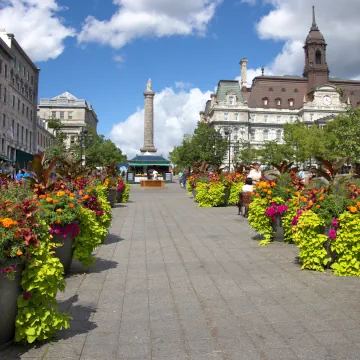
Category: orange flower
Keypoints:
(298, 193)
(269, 197)
(71, 205)
(257, 195)
(352, 209)
(321, 198)
(358, 204)
(288, 190)
(269, 192)
(67, 191)
(42, 196)
(311, 203)
(317, 206)
(19, 253)
(265, 190)
(59, 211)
(81, 192)
(8, 223)
(88, 190)
(55, 201)
(273, 183)
(72, 195)
(60, 193)
(303, 198)
(49, 200)
(252, 193)
(57, 222)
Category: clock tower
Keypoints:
(316, 69)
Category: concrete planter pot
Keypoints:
(226, 196)
(278, 229)
(119, 195)
(194, 193)
(9, 293)
(65, 252)
(112, 197)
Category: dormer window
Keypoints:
(265, 101)
(231, 100)
(271, 89)
(283, 89)
(278, 102)
(291, 102)
(296, 90)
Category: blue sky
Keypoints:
(197, 52)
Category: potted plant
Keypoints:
(60, 210)
(18, 225)
(120, 190)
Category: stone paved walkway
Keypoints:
(174, 281)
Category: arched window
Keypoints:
(231, 100)
(266, 135)
(265, 101)
(278, 102)
(252, 135)
(291, 102)
(278, 135)
(318, 57)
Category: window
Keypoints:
(226, 116)
(27, 76)
(30, 145)
(291, 102)
(283, 89)
(13, 128)
(26, 137)
(265, 101)
(296, 90)
(266, 135)
(4, 120)
(62, 115)
(318, 57)
(70, 115)
(27, 112)
(252, 135)
(17, 132)
(72, 140)
(278, 102)
(231, 100)
(19, 65)
(266, 118)
(6, 71)
(278, 135)
(23, 70)
(2, 144)
(279, 119)
(13, 101)
(18, 106)
(38, 138)
(23, 109)
(53, 114)
(4, 95)
(252, 118)
(32, 80)
(1, 66)
(312, 117)
(291, 119)
(31, 115)
(271, 89)
(22, 135)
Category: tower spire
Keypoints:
(313, 26)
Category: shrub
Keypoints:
(235, 190)
(210, 195)
(126, 193)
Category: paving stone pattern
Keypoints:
(174, 281)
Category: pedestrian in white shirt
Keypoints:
(155, 175)
(248, 187)
(255, 173)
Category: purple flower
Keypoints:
(14, 267)
(295, 221)
(27, 295)
(332, 234)
(335, 223)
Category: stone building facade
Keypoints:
(258, 113)
(19, 81)
(75, 114)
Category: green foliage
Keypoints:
(38, 317)
(308, 238)
(347, 246)
(248, 153)
(235, 191)
(286, 220)
(42, 169)
(210, 195)
(206, 145)
(105, 219)
(259, 221)
(57, 149)
(126, 193)
(16, 192)
(189, 188)
(272, 152)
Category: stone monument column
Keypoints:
(149, 120)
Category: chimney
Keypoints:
(213, 99)
(243, 69)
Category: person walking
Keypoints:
(19, 176)
(255, 173)
(155, 175)
(180, 177)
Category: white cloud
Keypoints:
(175, 114)
(139, 18)
(36, 25)
(183, 85)
(290, 21)
(119, 59)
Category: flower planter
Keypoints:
(119, 196)
(112, 197)
(64, 252)
(9, 293)
(278, 229)
(327, 245)
(226, 196)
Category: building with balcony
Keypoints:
(19, 79)
(74, 114)
(258, 113)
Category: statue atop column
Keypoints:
(149, 85)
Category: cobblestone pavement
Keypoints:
(174, 281)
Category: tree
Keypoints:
(57, 149)
(342, 136)
(98, 150)
(272, 152)
(248, 154)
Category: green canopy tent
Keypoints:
(140, 164)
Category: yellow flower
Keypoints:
(60, 193)
(49, 200)
(59, 211)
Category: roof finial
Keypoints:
(314, 26)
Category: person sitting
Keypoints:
(248, 187)
(255, 173)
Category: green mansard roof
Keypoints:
(225, 86)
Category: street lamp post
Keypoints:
(82, 139)
(228, 131)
